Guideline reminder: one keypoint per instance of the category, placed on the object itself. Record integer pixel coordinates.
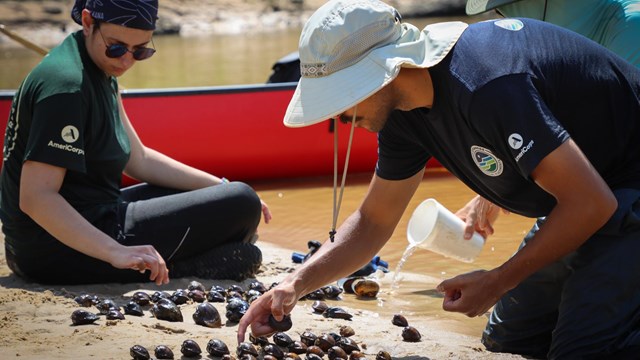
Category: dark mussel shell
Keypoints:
(273, 350)
(337, 313)
(348, 345)
(246, 348)
(83, 317)
(207, 315)
(133, 308)
(346, 331)
(319, 306)
(217, 347)
(105, 305)
(298, 347)
(313, 357)
(336, 352)
(345, 284)
(163, 352)
(291, 356)
(284, 325)
(197, 295)
(260, 340)
(190, 348)
(315, 350)
(159, 295)
(236, 288)
(180, 297)
(87, 300)
(282, 339)
(399, 320)
(315, 295)
(308, 338)
(365, 288)
(357, 355)
(141, 298)
(139, 352)
(332, 291)
(411, 334)
(115, 314)
(166, 309)
(196, 285)
(270, 357)
(236, 308)
(325, 341)
(247, 357)
(383, 355)
(215, 296)
(258, 286)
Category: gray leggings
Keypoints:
(178, 224)
(585, 306)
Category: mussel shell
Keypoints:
(357, 355)
(235, 288)
(258, 286)
(190, 348)
(87, 300)
(260, 340)
(83, 317)
(319, 306)
(284, 325)
(411, 334)
(337, 313)
(365, 288)
(313, 357)
(180, 297)
(308, 338)
(133, 308)
(246, 348)
(298, 347)
(105, 305)
(158, 295)
(399, 320)
(348, 345)
(141, 298)
(163, 352)
(383, 355)
(207, 315)
(292, 356)
(282, 339)
(325, 342)
(273, 350)
(115, 314)
(315, 295)
(332, 291)
(215, 296)
(217, 347)
(166, 309)
(346, 331)
(345, 284)
(196, 285)
(270, 357)
(336, 352)
(139, 352)
(315, 350)
(197, 295)
(236, 308)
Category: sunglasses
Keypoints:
(118, 50)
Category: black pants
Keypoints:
(180, 225)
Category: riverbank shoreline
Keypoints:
(47, 22)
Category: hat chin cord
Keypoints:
(337, 201)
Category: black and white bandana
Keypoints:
(138, 14)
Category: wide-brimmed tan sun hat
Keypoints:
(351, 49)
(475, 7)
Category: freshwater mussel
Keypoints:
(190, 348)
(133, 308)
(337, 313)
(163, 352)
(86, 300)
(246, 348)
(411, 334)
(139, 352)
(105, 305)
(83, 317)
(141, 298)
(207, 315)
(283, 325)
(217, 347)
(365, 288)
(166, 309)
(236, 308)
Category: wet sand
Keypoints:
(35, 319)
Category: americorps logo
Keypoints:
(69, 134)
(486, 161)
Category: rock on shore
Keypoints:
(46, 22)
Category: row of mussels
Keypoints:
(283, 347)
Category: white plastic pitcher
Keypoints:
(435, 228)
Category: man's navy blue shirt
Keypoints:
(509, 93)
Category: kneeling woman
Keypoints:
(68, 142)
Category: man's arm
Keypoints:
(584, 204)
(357, 240)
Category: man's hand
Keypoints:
(472, 294)
(479, 215)
(278, 301)
(141, 258)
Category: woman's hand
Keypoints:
(141, 258)
(265, 212)
(479, 215)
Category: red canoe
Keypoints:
(236, 132)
